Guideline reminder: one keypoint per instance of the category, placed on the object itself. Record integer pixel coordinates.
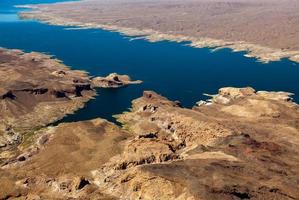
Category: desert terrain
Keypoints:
(238, 144)
(266, 29)
(241, 144)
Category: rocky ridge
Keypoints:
(229, 149)
(240, 144)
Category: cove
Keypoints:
(175, 70)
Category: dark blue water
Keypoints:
(172, 69)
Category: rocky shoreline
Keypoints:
(113, 80)
(242, 145)
(37, 90)
(261, 53)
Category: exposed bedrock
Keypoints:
(113, 80)
(243, 147)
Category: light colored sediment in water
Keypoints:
(262, 53)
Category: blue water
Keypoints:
(174, 70)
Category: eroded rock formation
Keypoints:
(113, 80)
(241, 144)
(241, 148)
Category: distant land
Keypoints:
(267, 29)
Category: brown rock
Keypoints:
(113, 81)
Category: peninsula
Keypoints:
(37, 90)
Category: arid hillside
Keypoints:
(241, 144)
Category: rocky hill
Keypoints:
(241, 144)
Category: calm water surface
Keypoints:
(172, 69)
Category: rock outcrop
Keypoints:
(245, 147)
(113, 80)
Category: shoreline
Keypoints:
(38, 90)
(261, 53)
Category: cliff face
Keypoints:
(241, 144)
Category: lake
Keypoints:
(175, 70)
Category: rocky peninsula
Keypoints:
(37, 90)
(240, 144)
(270, 38)
(113, 80)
